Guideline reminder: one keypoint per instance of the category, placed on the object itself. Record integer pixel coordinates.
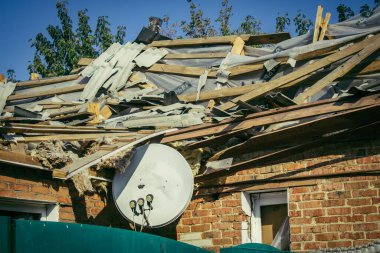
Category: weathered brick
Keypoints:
(373, 235)
(352, 235)
(365, 226)
(310, 204)
(359, 202)
(231, 203)
(303, 189)
(200, 228)
(313, 213)
(339, 244)
(365, 193)
(211, 234)
(313, 196)
(191, 221)
(351, 218)
(333, 202)
(339, 211)
(364, 209)
(332, 187)
(339, 227)
(222, 211)
(197, 213)
(301, 237)
(222, 241)
(326, 219)
(356, 185)
(210, 219)
(183, 229)
(339, 195)
(299, 221)
(315, 228)
(314, 245)
(327, 237)
(372, 217)
(222, 226)
(233, 233)
(295, 230)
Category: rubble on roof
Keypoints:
(231, 97)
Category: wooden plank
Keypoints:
(85, 61)
(180, 70)
(303, 131)
(51, 92)
(195, 56)
(75, 137)
(47, 81)
(273, 38)
(85, 163)
(46, 130)
(318, 22)
(263, 88)
(238, 46)
(20, 160)
(268, 117)
(338, 72)
(275, 156)
(324, 26)
(251, 39)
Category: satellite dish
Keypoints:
(156, 187)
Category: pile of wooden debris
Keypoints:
(240, 101)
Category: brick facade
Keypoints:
(333, 212)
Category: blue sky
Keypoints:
(21, 20)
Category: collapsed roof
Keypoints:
(231, 96)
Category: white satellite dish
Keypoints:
(156, 187)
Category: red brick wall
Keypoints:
(339, 211)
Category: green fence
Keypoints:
(46, 237)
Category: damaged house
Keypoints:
(281, 138)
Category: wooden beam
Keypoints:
(46, 81)
(303, 131)
(238, 46)
(269, 117)
(85, 163)
(179, 70)
(275, 156)
(195, 56)
(85, 61)
(318, 22)
(324, 26)
(251, 39)
(51, 92)
(20, 160)
(263, 88)
(338, 72)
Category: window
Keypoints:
(29, 210)
(269, 218)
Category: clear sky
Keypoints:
(21, 20)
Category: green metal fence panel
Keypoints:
(252, 248)
(5, 234)
(47, 237)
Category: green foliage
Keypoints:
(59, 54)
(302, 23)
(224, 17)
(249, 25)
(344, 12)
(103, 35)
(282, 21)
(169, 30)
(84, 36)
(120, 34)
(198, 26)
(11, 75)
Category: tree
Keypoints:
(249, 25)
(224, 17)
(169, 30)
(344, 12)
(198, 26)
(282, 21)
(84, 36)
(103, 35)
(366, 11)
(58, 53)
(302, 23)
(120, 34)
(11, 75)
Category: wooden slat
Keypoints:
(238, 46)
(269, 117)
(51, 92)
(75, 137)
(273, 38)
(307, 130)
(275, 156)
(338, 72)
(324, 26)
(318, 22)
(85, 61)
(195, 56)
(305, 70)
(19, 159)
(47, 81)
(180, 70)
